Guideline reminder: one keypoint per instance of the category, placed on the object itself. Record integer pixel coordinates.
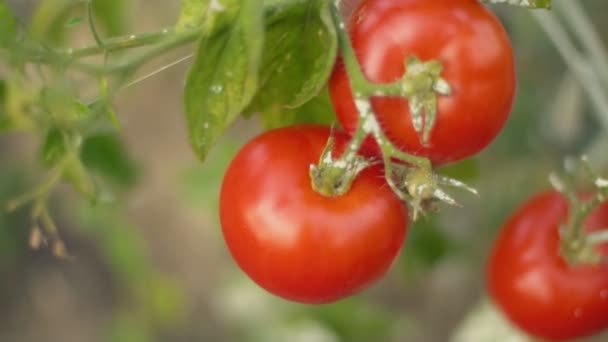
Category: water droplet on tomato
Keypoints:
(604, 294)
(578, 313)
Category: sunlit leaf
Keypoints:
(224, 77)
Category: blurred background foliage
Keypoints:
(148, 260)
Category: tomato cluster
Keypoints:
(310, 247)
(313, 248)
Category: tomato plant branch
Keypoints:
(160, 42)
(41, 191)
(121, 43)
(410, 177)
(577, 245)
(161, 47)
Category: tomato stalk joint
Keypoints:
(578, 246)
(334, 177)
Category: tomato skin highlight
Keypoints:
(296, 243)
(478, 61)
(533, 284)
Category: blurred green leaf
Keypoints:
(425, 246)
(299, 53)
(164, 303)
(106, 154)
(201, 184)
(8, 24)
(129, 328)
(120, 243)
(113, 15)
(224, 77)
(193, 14)
(49, 18)
(53, 149)
(353, 320)
(464, 171)
(318, 110)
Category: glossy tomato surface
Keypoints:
(478, 61)
(298, 244)
(533, 284)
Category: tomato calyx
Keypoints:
(424, 189)
(423, 82)
(334, 177)
(411, 177)
(577, 246)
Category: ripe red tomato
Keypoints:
(478, 63)
(534, 286)
(296, 243)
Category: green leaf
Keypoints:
(192, 14)
(464, 171)
(426, 245)
(224, 77)
(49, 18)
(299, 54)
(54, 148)
(113, 15)
(353, 320)
(546, 4)
(106, 154)
(8, 24)
(318, 110)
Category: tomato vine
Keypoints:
(250, 60)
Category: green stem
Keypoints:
(41, 191)
(161, 47)
(91, 20)
(363, 90)
(161, 42)
(580, 211)
(121, 43)
(577, 245)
